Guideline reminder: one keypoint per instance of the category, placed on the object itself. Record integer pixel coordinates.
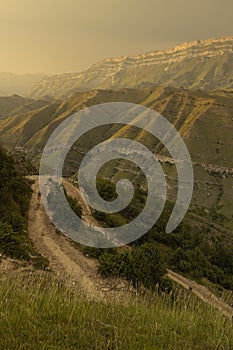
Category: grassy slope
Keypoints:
(38, 312)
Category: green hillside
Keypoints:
(15, 194)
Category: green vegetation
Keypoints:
(195, 251)
(192, 250)
(107, 191)
(142, 265)
(15, 194)
(39, 312)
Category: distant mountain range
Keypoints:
(20, 84)
(206, 65)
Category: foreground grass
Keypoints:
(39, 312)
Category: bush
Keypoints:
(147, 266)
(12, 245)
(141, 265)
(115, 263)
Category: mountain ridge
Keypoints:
(201, 64)
(221, 42)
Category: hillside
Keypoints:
(15, 104)
(192, 112)
(15, 193)
(206, 65)
(41, 312)
(70, 305)
(74, 307)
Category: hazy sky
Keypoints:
(55, 36)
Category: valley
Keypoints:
(27, 128)
(161, 291)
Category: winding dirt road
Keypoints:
(69, 263)
(64, 259)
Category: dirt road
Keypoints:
(69, 263)
(64, 259)
(203, 293)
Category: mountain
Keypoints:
(9, 103)
(20, 84)
(15, 104)
(192, 113)
(206, 65)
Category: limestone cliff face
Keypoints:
(204, 64)
(198, 48)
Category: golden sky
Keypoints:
(54, 36)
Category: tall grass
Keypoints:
(40, 312)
